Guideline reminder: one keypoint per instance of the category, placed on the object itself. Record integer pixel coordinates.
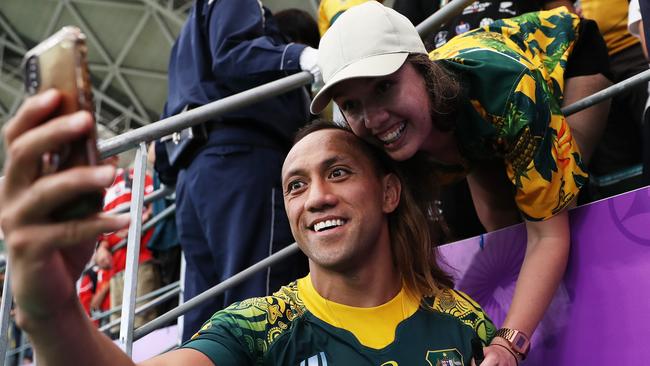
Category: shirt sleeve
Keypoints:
(245, 42)
(542, 158)
(468, 311)
(221, 339)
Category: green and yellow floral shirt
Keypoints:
(513, 71)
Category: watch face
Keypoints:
(520, 342)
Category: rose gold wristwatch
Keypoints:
(518, 341)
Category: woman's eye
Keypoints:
(348, 106)
(384, 86)
(292, 186)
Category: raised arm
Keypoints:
(47, 256)
(547, 251)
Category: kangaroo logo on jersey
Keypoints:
(445, 357)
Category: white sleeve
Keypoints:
(633, 18)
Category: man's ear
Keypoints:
(392, 192)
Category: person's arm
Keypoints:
(492, 196)
(544, 183)
(40, 248)
(241, 49)
(547, 252)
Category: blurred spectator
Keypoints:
(635, 27)
(93, 291)
(621, 146)
(111, 254)
(229, 198)
(164, 244)
(329, 10)
(477, 14)
(298, 26)
(644, 34)
(635, 24)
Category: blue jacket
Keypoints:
(226, 47)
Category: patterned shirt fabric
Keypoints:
(513, 70)
(282, 329)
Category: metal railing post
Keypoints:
(181, 298)
(22, 345)
(5, 312)
(133, 251)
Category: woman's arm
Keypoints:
(547, 252)
(492, 196)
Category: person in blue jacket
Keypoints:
(230, 213)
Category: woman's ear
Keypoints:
(392, 192)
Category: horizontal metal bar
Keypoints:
(613, 178)
(156, 130)
(606, 93)
(17, 350)
(161, 192)
(155, 302)
(147, 296)
(148, 225)
(215, 291)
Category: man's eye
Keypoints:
(292, 186)
(338, 173)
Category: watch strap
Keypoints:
(517, 340)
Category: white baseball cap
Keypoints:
(368, 40)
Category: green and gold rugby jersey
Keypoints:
(295, 326)
(513, 71)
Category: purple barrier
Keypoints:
(601, 313)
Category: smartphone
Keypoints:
(59, 62)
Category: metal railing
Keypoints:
(137, 138)
(172, 287)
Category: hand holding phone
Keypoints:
(60, 62)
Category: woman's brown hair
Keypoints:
(444, 89)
